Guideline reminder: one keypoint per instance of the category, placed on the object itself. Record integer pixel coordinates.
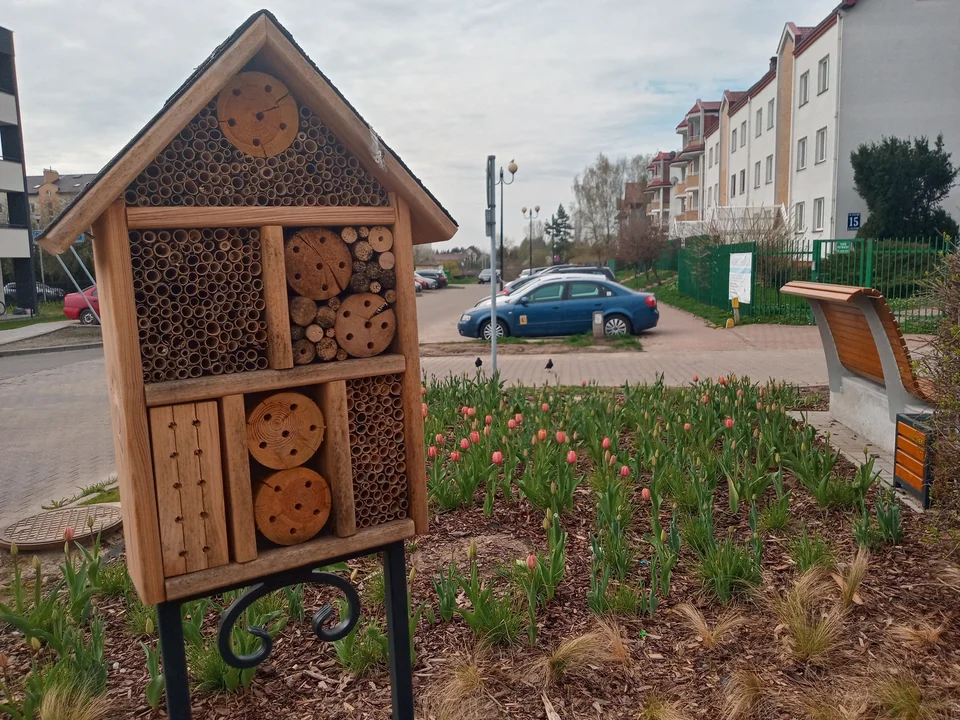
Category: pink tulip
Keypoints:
(519, 418)
(423, 391)
(464, 444)
(759, 405)
(740, 393)
(68, 534)
(439, 438)
(423, 409)
(728, 423)
(455, 456)
(773, 406)
(763, 391)
(561, 437)
(645, 493)
(545, 407)
(612, 460)
(624, 471)
(512, 424)
(488, 419)
(497, 457)
(605, 444)
(696, 378)
(572, 457)
(531, 562)
(463, 409)
(486, 431)
(471, 412)
(705, 399)
(722, 380)
(583, 383)
(542, 434)
(533, 440)
(687, 426)
(474, 437)
(432, 451)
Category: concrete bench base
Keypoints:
(864, 407)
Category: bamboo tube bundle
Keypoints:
(378, 460)
(198, 301)
(253, 145)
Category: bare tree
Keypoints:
(641, 243)
(597, 212)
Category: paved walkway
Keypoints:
(32, 331)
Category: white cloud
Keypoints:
(548, 82)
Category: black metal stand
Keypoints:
(399, 642)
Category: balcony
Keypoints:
(694, 140)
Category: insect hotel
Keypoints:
(253, 247)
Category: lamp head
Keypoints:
(537, 208)
(523, 210)
(512, 167)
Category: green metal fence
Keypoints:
(897, 268)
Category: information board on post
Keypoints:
(741, 276)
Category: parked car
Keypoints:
(437, 275)
(426, 283)
(417, 287)
(52, 292)
(485, 274)
(515, 285)
(76, 308)
(588, 269)
(564, 306)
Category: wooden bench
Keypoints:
(868, 364)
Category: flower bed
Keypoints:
(593, 553)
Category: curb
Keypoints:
(51, 349)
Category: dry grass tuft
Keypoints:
(745, 695)
(901, 698)
(73, 703)
(573, 657)
(711, 637)
(950, 576)
(656, 708)
(850, 578)
(813, 630)
(461, 694)
(921, 637)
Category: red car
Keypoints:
(76, 308)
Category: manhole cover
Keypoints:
(45, 530)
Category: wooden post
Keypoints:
(279, 346)
(334, 462)
(407, 342)
(128, 410)
(237, 489)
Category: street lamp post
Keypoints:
(512, 167)
(532, 215)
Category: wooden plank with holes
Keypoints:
(908, 462)
(214, 513)
(334, 462)
(237, 488)
(128, 412)
(911, 434)
(168, 490)
(908, 476)
(276, 313)
(191, 493)
(407, 342)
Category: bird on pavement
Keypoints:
(479, 362)
(549, 365)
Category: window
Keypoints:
(695, 166)
(759, 121)
(710, 156)
(801, 154)
(743, 133)
(586, 290)
(804, 88)
(716, 153)
(756, 174)
(770, 110)
(769, 169)
(818, 215)
(823, 75)
(546, 293)
(743, 181)
(733, 144)
(733, 185)
(798, 217)
(821, 145)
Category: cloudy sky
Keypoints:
(551, 83)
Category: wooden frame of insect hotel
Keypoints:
(253, 247)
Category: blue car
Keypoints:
(564, 306)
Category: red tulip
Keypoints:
(645, 493)
(488, 419)
(728, 423)
(432, 451)
(624, 471)
(531, 562)
(512, 424)
(68, 534)
(519, 418)
(545, 407)
(686, 426)
(423, 409)
(455, 456)
(605, 444)
(572, 457)
(439, 438)
(722, 380)
(705, 399)
(464, 444)
(696, 378)
(474, 437)
(497, 457)
(463, 409)
(471, 412)
(561, 437)
(542, 434)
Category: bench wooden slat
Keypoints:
(908, 476)
(910, 463)
(917, 452)
(911, 434)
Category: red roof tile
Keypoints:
(633, 193)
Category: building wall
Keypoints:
(739, 157)
(784, 122)
(711, 175)
(898, 75)
(724, 134)
(817, 180)
(762, 147)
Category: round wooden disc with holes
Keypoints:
(258, 114)
(318, 263)
(284, 430)
(380, 239)
(365, 325)
(291, 506)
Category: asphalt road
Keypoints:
(439, 311)
(17, 365)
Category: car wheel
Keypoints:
(616, 325)
(501, 330)
(87, 317)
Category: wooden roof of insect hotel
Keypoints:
(261, 44)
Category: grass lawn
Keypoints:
(463, 281)
(48, 312)
(668, 294)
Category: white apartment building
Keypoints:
(659, 191)
(872, 68)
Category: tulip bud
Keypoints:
(413, 575)
(14, 550)
(583, 383)
(488, 419)
(546, 524)
(696, 378)
(455, 456)
(572, 456)
(423, 410)
(512, 424)
(686, 426)
(645, 494)
(733, 444)
(486, 431)
(439, 438)
(763, 391)
(35, 643)
(561, 437)
(759, 405)
(464, 444)
(432, 451)
(624, 471)
(36, 563)
(148, 626)
(663, 535)
(728, 423)
(519, 418)
(553, 488)
(606, 443)
(531, 562)
(354, 575)
(471, 412)
(497, 457)
(541, 434)
(474, 437)
(472, 551)
(776, 458)
(545, 407)
(705, 399)
(803, 447)
(68, 534)
(423, 390)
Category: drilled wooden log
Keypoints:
(365, 325)
(348, 235)
(291, 506)
(362, 250)
(363, 232)
(302, 310)
(390, 296)
(359, 267)
(304, 352)
(297, 332)
(375, 286)
(318, 263)
(326, 316)
(380, 239)
(284, 430)
(257, 114)
(334, 303)
(387, 260)
(327, 349)
(342, 354)
(314, 333)
(373, 270)
(330, 332)
(359, 283)
(388, 278)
